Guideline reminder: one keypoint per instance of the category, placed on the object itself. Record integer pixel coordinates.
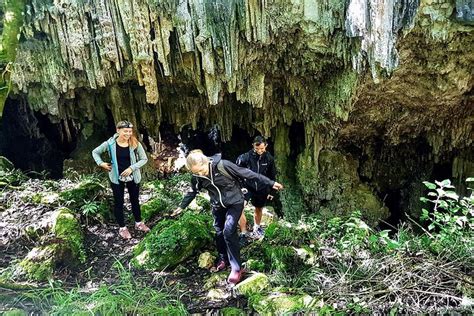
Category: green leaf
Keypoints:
(424, 214)
(446, 182)
(452, 195)
(423, 199)
(431, 226)
(429, 185)
(470, 180)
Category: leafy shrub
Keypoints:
(450, 220)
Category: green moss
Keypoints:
(166, 196)
(280, 304)
(283, 258)
(153, 207)
(232, 311)
(86, 190)
(254, 265)
(214, 279)
(67, 228)
(256, 283)
(12, 22)
(169, 245)
(284, 233)
(39, 263)
(14, 312)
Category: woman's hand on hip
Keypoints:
(127, 172)
(105, 165)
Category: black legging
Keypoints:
(227, 239)
(119, 191)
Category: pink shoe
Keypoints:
(124, 233)
(142, 227)
(221, 265)
(235, 276)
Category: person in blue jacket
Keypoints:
(127, 157)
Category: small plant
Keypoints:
(94, 210)
(451, 219)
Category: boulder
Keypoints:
(67, 249)
(281, 304)
(257, 283)
(173, 241)
(206, 260)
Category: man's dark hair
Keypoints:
(259, 140)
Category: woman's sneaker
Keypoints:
(124, 233)
(221, 265)
(235, 276)
(142, 227)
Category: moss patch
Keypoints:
(173, 241)
(67, 228)
(87, 190)
(39, 263)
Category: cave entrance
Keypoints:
(32, 142)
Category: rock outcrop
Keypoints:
(374, 81)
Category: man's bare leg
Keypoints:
(243, 223)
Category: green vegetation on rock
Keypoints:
(12, 21)
(173, 241)
(67, 228)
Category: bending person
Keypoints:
(127, 156)
(221, 179)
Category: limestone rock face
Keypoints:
(372, 81)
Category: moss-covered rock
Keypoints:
(16, 312)
(215, 279)
(84, 191)
(232, 311)
(173, 241)
(39, 263)
(153, 207)
(254, 265)
(217, 294)
(285, 233)
(283, 258)
(67, 228)
(206, 260)
(280, 303)
(66, 248)
(256, 283)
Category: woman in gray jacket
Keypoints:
(127, 157)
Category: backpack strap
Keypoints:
(221, 168)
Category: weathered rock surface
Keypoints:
(372, 81)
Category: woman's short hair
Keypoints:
(196, 158)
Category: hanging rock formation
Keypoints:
(382, 86)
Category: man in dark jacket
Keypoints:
(260, 161)
(221, 179)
